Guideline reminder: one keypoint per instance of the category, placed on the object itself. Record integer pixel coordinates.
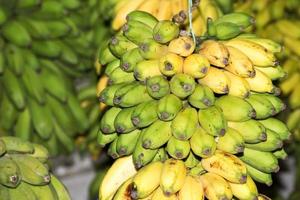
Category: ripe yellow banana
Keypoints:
(261, 83)
(183, 46)
(238, 86)
(159, 195)
(192, 189)
(244, 191)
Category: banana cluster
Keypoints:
(45, 45)
(24, 173)
(168, 97)
(172, 180)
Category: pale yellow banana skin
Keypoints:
(191, 190)
(159, 195)
(238, 86)
(244, 191)
(123, 192)
(260, 83)
(171, 60)
(196, 65)
(183, 46)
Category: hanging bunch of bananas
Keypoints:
(279, 20)
(171, 179)
(45, 45)
(168, 96)
(24, 173)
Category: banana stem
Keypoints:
(191, 19)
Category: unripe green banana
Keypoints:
(111, 66)
(273, 73)
(150, 49)
(59, 188)
(4, 192)
(107, 94)
(263, 161)
(272, 143)
(157, 87)
(32, 170)
(50, 10)
(107, 121)
(132, 31)
(130, 59)
(191, 161)
(112, 149)
(197, 170)
(128, 98)
(277, 103)
(185, 123)
(40, 153)
(213, 121)
(280, 154)
(202, 97)
(47, 48)
(259, 176)
(146, 69)
(126, 142)
(178, 149)
(142, 16)
(242, 111)
(23, 191)
(105, 56)
(16, 145)
(104, 139)
(252, 131)
(232, 142)
(9, 31)
(277, 126)
(239, 18)
(156, 135)
(45, 192)
(3, 16)
(122, 122)
(9, 113)
(2, 62)
(161, 155)
(142, 156)
(119, 76)
(168, 107)
(203, 144)
(119, 45)
(262, 106)
(64, 138)
(36, 28)
(165, 31)
(182, 85)
(15, 58)
(227, 30)
(10, 173)
(145, 114)
(23, 126)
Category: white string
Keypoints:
(190, 2)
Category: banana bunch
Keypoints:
(45, 46)
(171, 179)
(169, 97)
(24, 173)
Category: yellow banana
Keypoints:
(260, 83)
(196, 65)
(150, 6)
(244, 191)
(192, 189)
(159, 195)
(123, 192)
(288, 85)
(238, 86)
(165, 10)
(170, 64)
(183, 46)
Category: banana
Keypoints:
(184, 124)
(119, 45)
(215, 52)
(178, 149)
(107, 121)
(9, 113)
(183, 46)
(243, 111)
(168, 107)
(157, 87)
(172, 176)
(4, 192)
(213, 121)
(146, 69)
(170, 64)
(123, 191)
(142, 156)
(60, 189)
(277, 103)
(150, 49)
(270, 45)
(216, 80)
(262, 106)
(14, 145)
(232, 142)
(241, 19)
(107, 94)
(261, 83)
(202, 97)
(23, 191)
(196, 65)
(46, 192)
(2, 148)
(247, 190)
(105, 56)
(164, 12)
(261, 177)
(294, 98)
(122, 122)
(251, 130)
(182, 85)
(263, 161)
(32, 170)
(119, 76)
(161, 155)
(227, 30)
(233, 169)
(15, 59)
(150, 6)
(287, 85)
(238, 86)
(209, 9)
(118, 173)
(159, 195)
(146, 180)
(130, 59)
(277, 126)
(215, 187)
(162, 132)
(280, 154)
(10, 173)
(165, 31)
(112, 149)
(104, 139)
(192, 189)
(144, 114)
(191, 161)
(40, 153)
(144, 17)
(131, 31)
(239, 64)
(203, 144)
(126, 142)
(21, 39)
(288, 28)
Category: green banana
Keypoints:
(130, 59)
(10, 175)
(202, 97)
(150, 49)
(122, 122)
(262, 106)
(15, 59)
(22, 192)
(272, 143)
(144, 17)
(132, 31)
(161, 155)
(239, 18)
(40, 153)
(191, 161)
(178, 149)
(119, 45)
(144, 114)
(112, 149)
(21, 39)
(157, 87)
(107, 94)
(277, 126)
(232, 142)
(168, 107)
(107, 121)
(126, 142)
(59, 188)
(47, 48)
(16, 145)
(280, 154)
(165, 31)
(104, 139)
(9, 113)
(119, 76)
(182, 85)
(259, 176)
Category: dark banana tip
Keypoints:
(168, 66)
(164, 115)
(105, 129)
(101, 98)
(276, 169)
(247, 94)
(263, 137)
(283, 107)
(279, 144)
(157, 37)
(178, 19)
(187, 46)
(146, 144)
(223, 198)
(204, 70)
(273, 111)
(14, 179)
(206, 151)
(225, 61)
(252, 20)
(252, 74)
(114, 41)
(144, 47)
(240, 149)
(138, 164)
(122, 151)
(179, 154)
(207, 102)
(135, 121)
(117, 100)
(125, 27)
(183, 33)
(222, 132)
(276, 63)
(47, 178)
(226, 89)
(113, 155)
(155, 87)
(167, 193)
(181, 137)
(120, 129)
(252, 114)
(134, 193)
(187, 87)
(125, 66)
(276, 91)
(243, 179)
(269, 183)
